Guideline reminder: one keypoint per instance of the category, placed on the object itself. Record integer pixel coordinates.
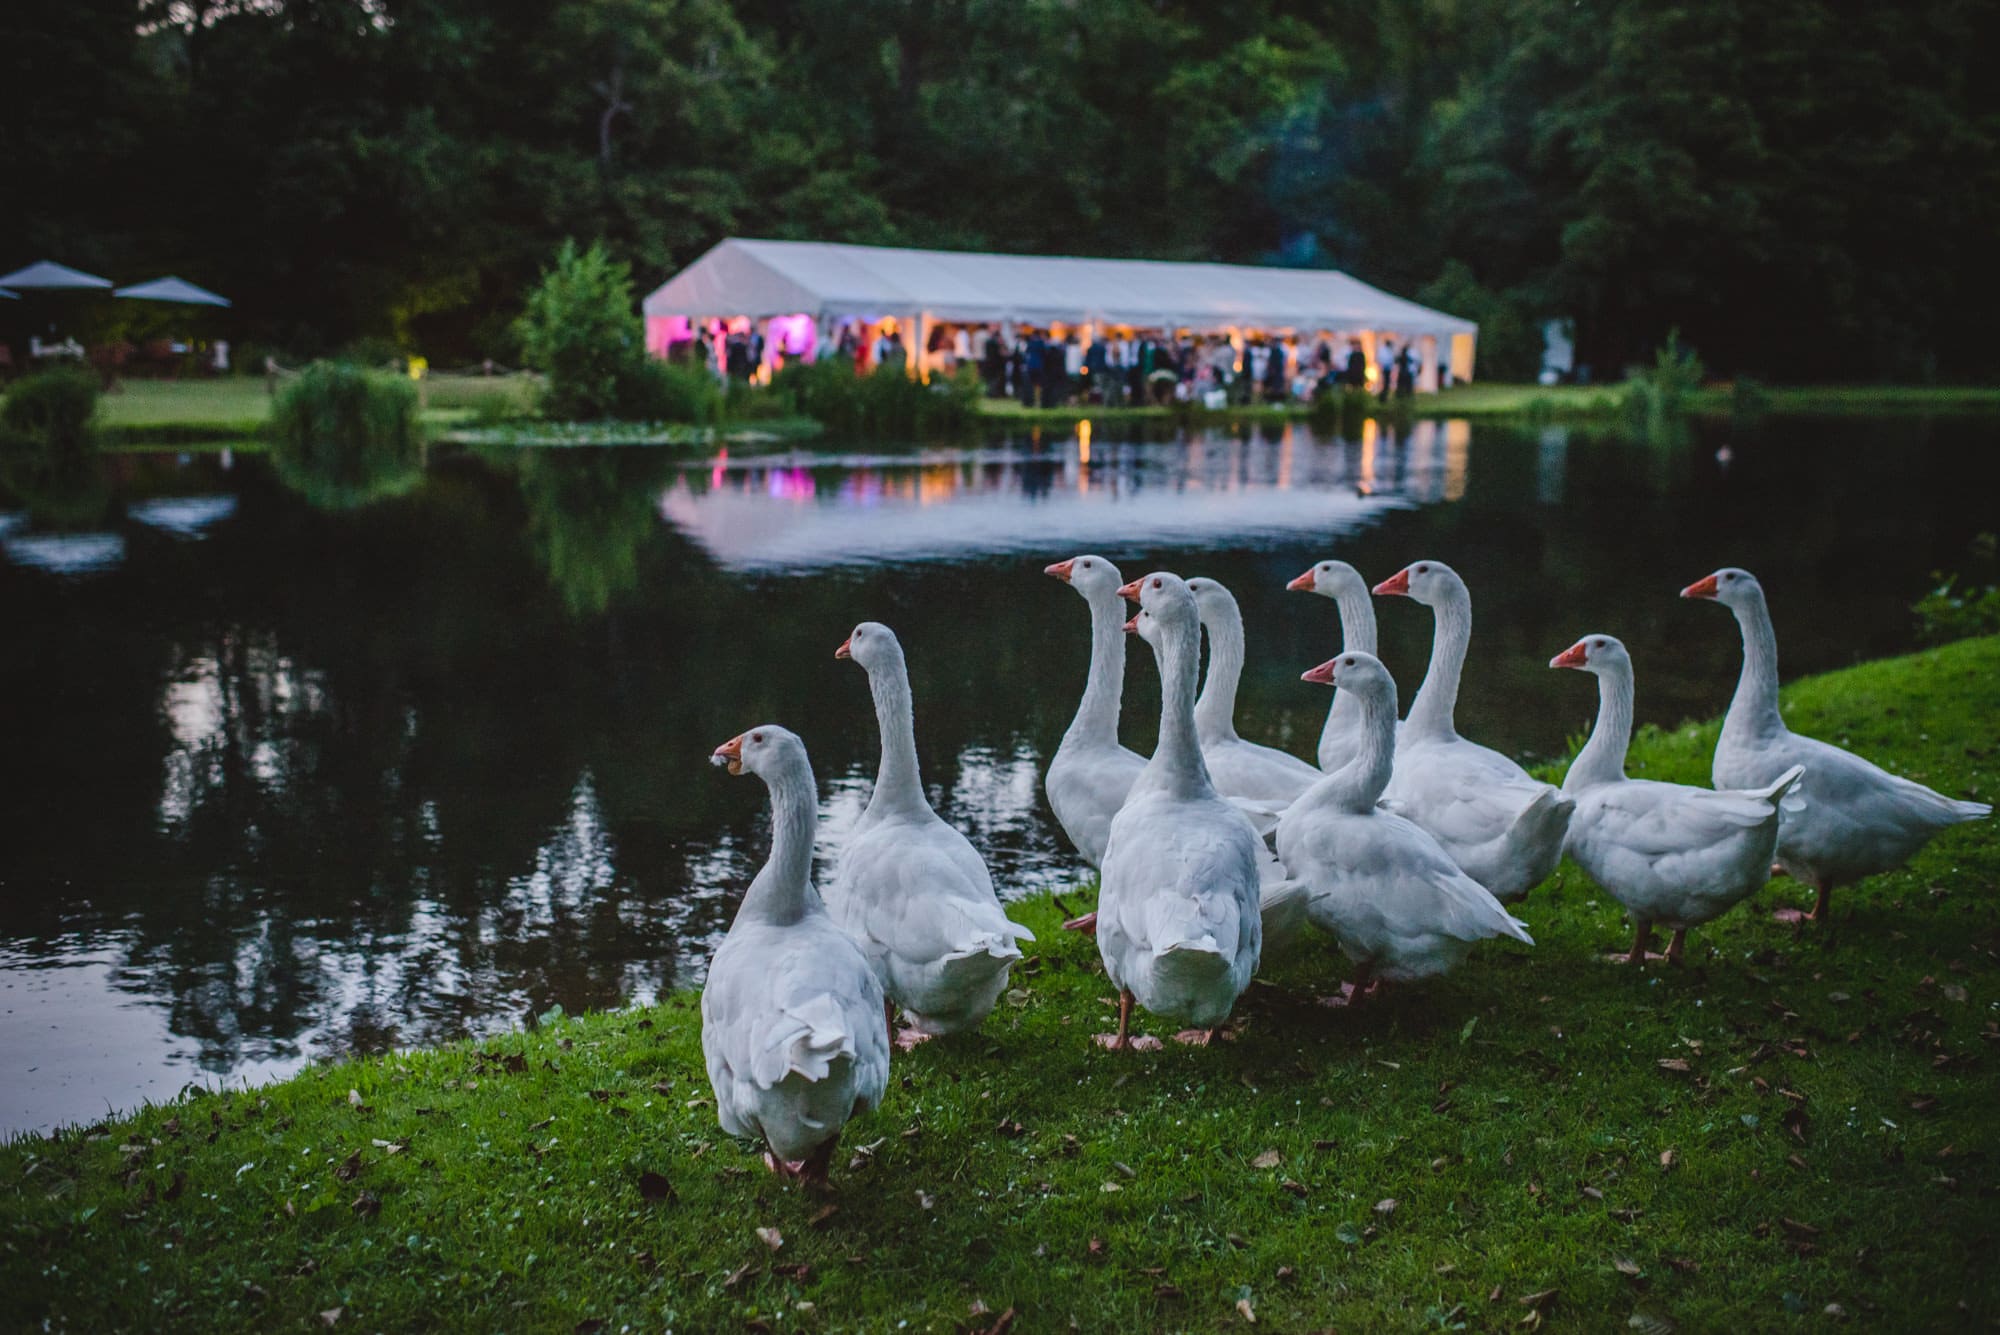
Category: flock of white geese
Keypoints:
(1404, 843)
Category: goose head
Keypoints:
(1729, 586)
(1595, 654)
(760, 750)
(873, 645)
(1165, 601)
(1092, 576)
(1428, 582)
(1330, 579)
(1212, 600)
(1363, 674)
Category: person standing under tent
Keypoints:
(994, 363)
(1355, 376)
(1385, 367)
(1406, 372)
(1257, 361)
(1276, 372)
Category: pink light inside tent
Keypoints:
(664, 331)
(794, 335)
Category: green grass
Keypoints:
(1825, 1134)
(234, 408)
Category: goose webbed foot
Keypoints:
(1085, 923)
(907, 1039)
(1676, 946)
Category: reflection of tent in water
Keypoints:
(183, 516)
(768, 514)
(64, 553)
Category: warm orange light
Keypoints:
(1083, 441)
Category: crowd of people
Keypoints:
(1038, 368)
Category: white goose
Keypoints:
(791, 1014)
(1674, 856)
(1400, 907)
(1341, 737)
(1503, 827)
(1236, 767)
(1091, 773)
(1178, 917)
(1857, 819)
(911, 889)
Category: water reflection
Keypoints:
(331, 779)
(802, 511)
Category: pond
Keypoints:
(304, 770)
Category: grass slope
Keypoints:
(1791, 1126)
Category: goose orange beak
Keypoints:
(1398, 583)
(1321, 675)
(730, 753)
(846, 649)
(1572, 657)
(1303, 584)
(1701, 588)
(1132, 626)
(1060, 570)
(1131, 590)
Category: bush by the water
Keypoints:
(345, 436)
(48, 445)
(582, 330)
(1660, 393)
(883, 402)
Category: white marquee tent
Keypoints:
(829, 282)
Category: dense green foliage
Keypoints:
(346, 436)
(1965, 602)
(48, 445)
(581, 329)
(883, 402)
(1794, 1126)
(1802, 190)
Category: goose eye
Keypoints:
(1157, 584)
(756, 736)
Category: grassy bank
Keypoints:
(1791, 1126)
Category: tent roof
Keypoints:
(49, 274)
(172, 289)
(760, 278)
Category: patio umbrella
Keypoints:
(177, 290)
(48, 276)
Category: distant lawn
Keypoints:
(231, 408)
(1789, 1129)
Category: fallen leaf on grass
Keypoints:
(1669, 1157)
(331, 1317)
(1386, 1206)
(1249, 1312)
(826, 1213)
(1649, 1322)
(1268, 1159)
(1798, 1228)
(1625, 1265)
(1541, 1300)
(655, 1186)
(1286, 1274)
(392, 1146)
(771, 1238)
(925, 1200)
(1166, 1290)
(1296, 1188)
(354, 1100)
(367, 1205)
(349, 1168)
(1678, 1065)
(738, 1275)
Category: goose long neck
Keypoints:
(1602, 759)
(1097, 714)
(1357, 621)
(1177, 764)
(897, 781)
(1215, 711)
(1357, 786)
(782, 892)
(1755, 707)
(1437, 699)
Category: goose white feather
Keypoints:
(911, 889)
(1504, 828)
(1091, 773)
(1674, 856)
(1179, 921)
(1855, 819)
(1236, 767)
(1340, 738)
(791, 1013)
(1401, 909)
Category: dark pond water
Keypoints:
(305, 766)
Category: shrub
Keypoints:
(1510, 342)
(582, 330)
(882, 402)
(56, 408)
(1959, 605)
(345, 436)
(1658, 395)
(659, 391)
